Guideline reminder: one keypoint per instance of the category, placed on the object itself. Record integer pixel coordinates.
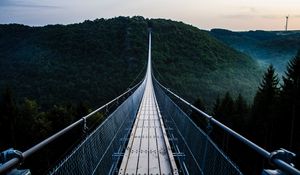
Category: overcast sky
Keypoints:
(230, 14)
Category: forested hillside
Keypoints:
(94, 61)
(194, 64)
(53, 75)
(268, 47)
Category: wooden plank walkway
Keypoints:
(148, 150)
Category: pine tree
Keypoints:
(8, 119)
(216, 108)
(28, 110)
(60, 117)
(264, 107)
(290, 98)
(241, 113)
(199, 104)
(224, 111)
(82, 109)
(196, 117)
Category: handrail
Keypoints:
(15, 161)
(279, 163)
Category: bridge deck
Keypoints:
(148, 150)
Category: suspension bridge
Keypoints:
(149, 134)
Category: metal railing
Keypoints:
(200, 155)
(277, 162)
(17, 161)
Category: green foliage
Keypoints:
(268, 47)
(8, 118)
(193, 63)
(242, 111)
(264, 110)
(267, 93)
(234, 113)
(272, 122)
(200, 104)
(66, 67)
(290, 102)
(93, 61)
(196, 117)
(31, 125)
(97, 60)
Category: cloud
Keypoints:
(272, 16)
(250, 9)
(279, 16)
(5, 3)
(237, 16)
(26, 4)
(295, 16)
(244, 12)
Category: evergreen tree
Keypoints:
(226, 110)
(290, 98)
(8, 117)
(26, 122)
(60, 117)
(196, 117)
(241, 112)
(216, 108)
(264, 108)
(82, 109)
(199, 104)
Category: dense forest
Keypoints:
(194, 64)
(268, 47)
(85, 61)
(90, 62)
(271, 121)
(53, 75)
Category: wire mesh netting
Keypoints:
(202, 156)
(95, 154)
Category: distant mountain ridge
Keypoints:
(95, 61)
(268, 47)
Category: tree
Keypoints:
(8, 115)
(28, 110)
(216, 108)
(82, 109)
(196, 117)
(290, 98)
(264, 110)
(241, 113)
(60, 117)
(224, 111)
